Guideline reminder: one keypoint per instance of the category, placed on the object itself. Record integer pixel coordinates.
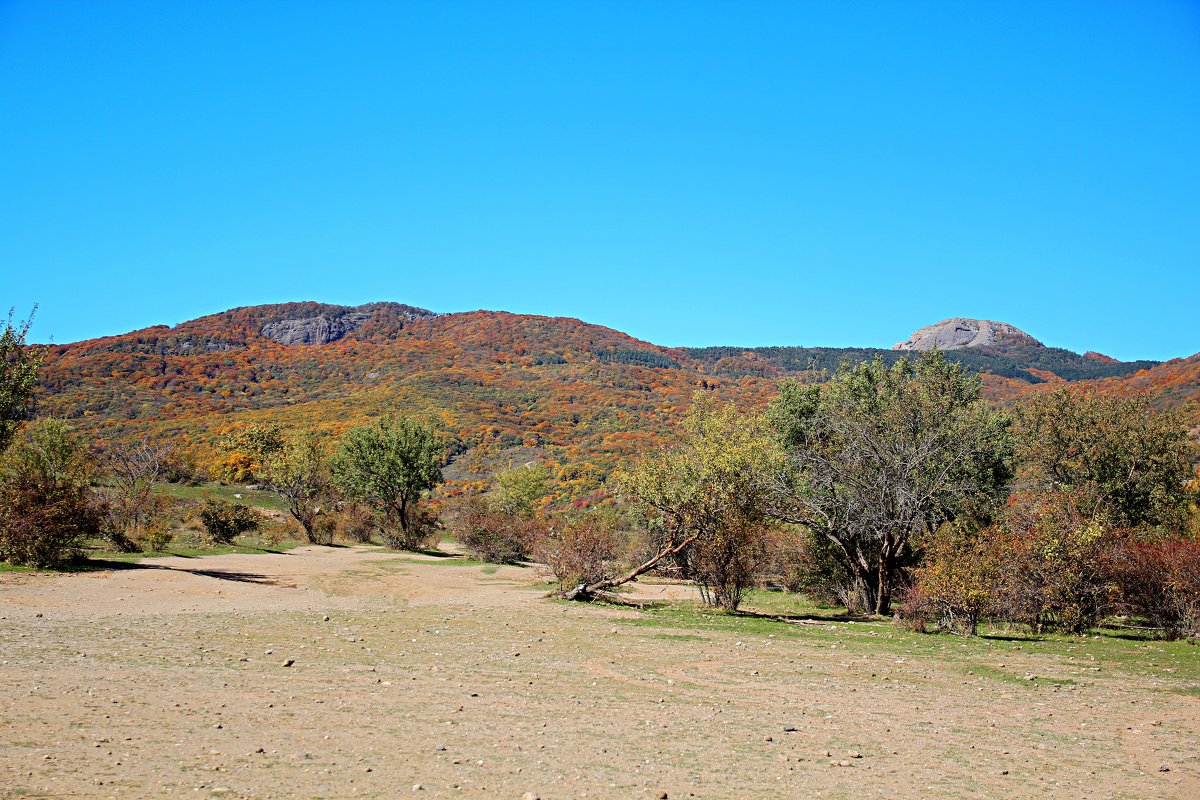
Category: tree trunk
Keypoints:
(883, 591)
(585, 591)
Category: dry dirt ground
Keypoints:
(418, 677)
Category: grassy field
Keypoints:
(259, 498)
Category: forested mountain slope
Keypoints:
(500, 386)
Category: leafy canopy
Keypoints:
(388, 465)
(19, 365)
(1129, 462)
(883, 453)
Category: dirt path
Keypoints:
(410, 671)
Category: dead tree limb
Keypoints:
(589, 591)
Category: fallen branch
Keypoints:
(589, 591)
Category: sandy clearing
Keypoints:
(168, 680)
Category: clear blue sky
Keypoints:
(691, 173)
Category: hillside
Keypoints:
(502, 387)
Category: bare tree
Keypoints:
(134, 469)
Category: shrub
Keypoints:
(356, 523)
(225, 521)
(915, 610)
(40, 529)
(1160, 580)
(155, 539)
(323, 527)
(423, 532)
(1055, 563)
(46, 504)
(491, 534)
(182, 468)
(803, 562)
(728, 562)
(955, 586)
(129, 522)
(580, 550)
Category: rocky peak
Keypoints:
(959, 332)
(331, 323)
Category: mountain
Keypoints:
(502, 387)
(957, 333)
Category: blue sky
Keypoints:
(690, 173)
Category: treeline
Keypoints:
(1008, 362)
(899, 483)
(894, 487)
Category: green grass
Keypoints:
(259, 498)
(1060, 659)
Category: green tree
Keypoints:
(19, 363)
(709, 494)
(1127, 462)
(518, 490)
(389, 466)
(299, 471)
(881, 454)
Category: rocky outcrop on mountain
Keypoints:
(958, 333)
(336, 322)
(313, 330)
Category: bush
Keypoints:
(915, 610)
(955, 586)
(225, 521)
(324, 526)
(1055, 563)
(1160, 581)
(803, 562)
(155, 539)
(580, 550)
(47, 507)
(727, 562)
(130, 523)
(424, 531)
(42, 529)
(182, 468)
(490, 534)
(356, 524)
